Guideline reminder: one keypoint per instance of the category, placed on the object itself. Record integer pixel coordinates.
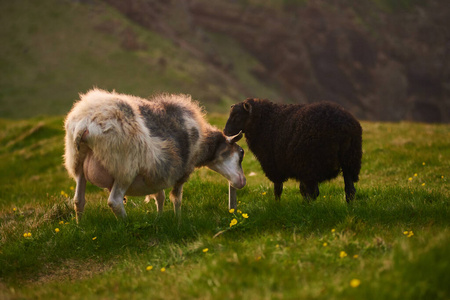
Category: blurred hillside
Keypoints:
(381, 59)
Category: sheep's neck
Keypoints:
(258, 124)
(208, 149)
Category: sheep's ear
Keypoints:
(234, 138)
(248, 107)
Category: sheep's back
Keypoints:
(158, 137)
(306, 140)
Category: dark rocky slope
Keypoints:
(381, 61)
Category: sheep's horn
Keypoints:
(234, 138)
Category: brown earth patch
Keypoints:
(71, 270)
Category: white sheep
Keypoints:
(133, 146)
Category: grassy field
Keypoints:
(392, 242)
(52, 50)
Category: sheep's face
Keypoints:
(228, 161)
(239, 117)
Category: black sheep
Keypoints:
(310, 143)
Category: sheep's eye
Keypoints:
(241, 155)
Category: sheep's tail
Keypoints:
(73, 157)
(353, 156)
(356, 148)
(350, 156)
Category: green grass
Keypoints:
(290, 249)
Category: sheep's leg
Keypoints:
(232, 198)
(349, 188)
(278, 189)
(159, 197)
(79, 199)
(316, 190)
(175, 196)
(309, 191)
(115, 200)
(303, 190)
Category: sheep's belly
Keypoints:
(99, 176)
(140, 188)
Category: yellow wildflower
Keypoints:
(233, 222)
(423, 184)
(149, 268)
(342, 254)
(264, 193)
(333, 230)
(232, 211)
(415, 174)
(71, 188)
(56, 230)
(409, 233)
(61, 222)
(163, 269)
(410, 178)
(355, 283)
(205, 250)
(239, 211)
(14, 209)
(325, 244)
(94, 238)
(245, 216)
(423, 164)
(355, 256)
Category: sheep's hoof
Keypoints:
(309, 192)
(350, 194)
(350, 197)
(78, 216)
